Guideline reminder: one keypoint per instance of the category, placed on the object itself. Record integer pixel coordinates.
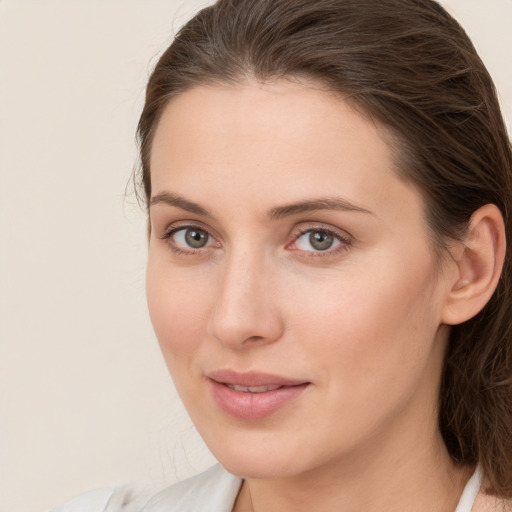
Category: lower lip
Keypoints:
(253, 406)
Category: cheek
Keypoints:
(369, 321)
(178, 307)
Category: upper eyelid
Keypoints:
(320, 229)
(173, 227)
(305, 227)
(176, 229)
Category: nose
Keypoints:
(245, 312)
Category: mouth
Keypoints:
(252, 381)
(253, 395)
(251, 389)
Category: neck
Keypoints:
(418, 476)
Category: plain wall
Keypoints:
(85, 398)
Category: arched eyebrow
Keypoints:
(279, 212)
(179, 202)
(310, 205)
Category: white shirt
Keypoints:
(214, 490)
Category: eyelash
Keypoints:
(167, 236)
(344, 241)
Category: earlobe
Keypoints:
(478, 266)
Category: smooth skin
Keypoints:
(282, 241)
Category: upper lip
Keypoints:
(252, 378)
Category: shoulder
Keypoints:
(489, 503)
(215, 488)
(106, 499)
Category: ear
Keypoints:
(478, 261)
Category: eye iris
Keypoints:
(321, 240)
(196, 238)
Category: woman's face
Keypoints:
(290, 280)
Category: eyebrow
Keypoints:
(327, 203)
(171, 199)
(279, 212)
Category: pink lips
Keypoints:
(252, 395)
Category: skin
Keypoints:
(362, 322)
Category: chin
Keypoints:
(260, 469)
(259, 460)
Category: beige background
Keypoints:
(85, 399)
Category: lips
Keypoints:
(252, 389)
(253, 395)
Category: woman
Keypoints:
(328, 186)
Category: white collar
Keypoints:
(470, 492)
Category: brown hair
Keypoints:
(409, 65)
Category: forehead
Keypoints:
(265, 143)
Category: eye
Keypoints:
(192, 237)
(189, 238)
(319, 240)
